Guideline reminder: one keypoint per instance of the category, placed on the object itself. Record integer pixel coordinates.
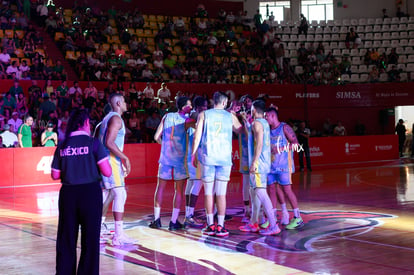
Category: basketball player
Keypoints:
(79, 162)
(172, 134)
(194, 183)
(259, 167)
(283, 139)
(112, 135)
(213, 140)
(246, 101)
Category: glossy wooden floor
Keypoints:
(358, 221)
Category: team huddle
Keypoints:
(196, 150)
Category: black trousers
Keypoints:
(79, 205)
(307, 154)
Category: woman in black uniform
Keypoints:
(78, 161)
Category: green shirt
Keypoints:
(26, 133)
(49, 142)
(62, 90)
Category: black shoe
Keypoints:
(175, 226)
(156, 224)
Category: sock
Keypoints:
(187, 211)
(296, 213)
(261, 193)
(275, 212)
(190, 211)
(175, 213)
(220, 220)
(157, 211)
(103, 220)
(210, 219)
(283, 206)
(119, 228)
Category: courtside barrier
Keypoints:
(31, 166)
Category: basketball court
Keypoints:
(357, 221)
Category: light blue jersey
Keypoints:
(174, 140)
(216, 140)
(282, 156)
(192, 171)
(244, 151)
(263, 164)
(120, 138)
(117, 177)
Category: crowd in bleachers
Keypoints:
(117, 46)
(230, 48)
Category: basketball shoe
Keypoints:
(250, 228)
(221, 231)
(209, 230)
(295, 223)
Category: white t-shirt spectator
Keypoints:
(9, 138)
(132, 62)
(12, 69)
(24, 68)
(164, 94)
(159, 64)
(141, 62)
(148, 92)
(4, 58)
(73, 90)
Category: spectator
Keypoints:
(352, 37)
(257, 19)
(45, 109)
(5, 57)
(148, 92)
(9, 101)
(75, 89)
(384, 13)
(163, 93)
(339, 129)
(21, 105)
(48, 137)
(401, 130)
(394, 74)
(303, 26)
(24, 134)
(134, 124)
(16, 89)
(393, 57)
(9, 139)
(151, 125)
(303, 135)
(359, 128)
(14, 122)
(374, 75)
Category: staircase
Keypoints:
(54, 53)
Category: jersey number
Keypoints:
(217, 125)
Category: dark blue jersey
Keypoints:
(77, 159)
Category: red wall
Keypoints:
(27, 166)
(347, 103)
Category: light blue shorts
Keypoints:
(210, 173)
(282, 178)
(167, 172)
(258, 180)
(194, 173)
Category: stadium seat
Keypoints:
(385, 28)
(377, 28)
(410, 68)
(387, 21)
(355, 78)
(403, 77)
(362, 21)
(403, 34)
(363, 78)
(345, 78)
(401, 27)
(298, 70)
(378, 21)
(370, 21)
(383, 77)
(362, 69)
(394, 20)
